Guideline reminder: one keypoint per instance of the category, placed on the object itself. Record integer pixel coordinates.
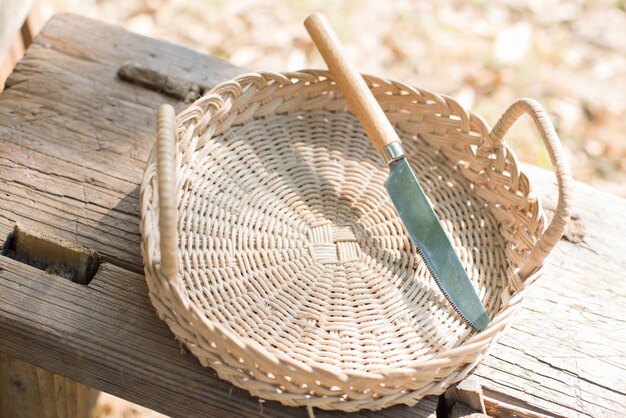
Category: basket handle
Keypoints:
(166, 178)
(555, 230)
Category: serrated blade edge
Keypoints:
(433, 245)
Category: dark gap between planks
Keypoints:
(51, 254)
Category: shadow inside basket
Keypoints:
(287, 236)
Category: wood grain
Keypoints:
(73, 144)
(566, 353)
(65, 117)
(467, 392)
(107, 336)
(27, 391)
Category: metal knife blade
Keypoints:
(426, 233)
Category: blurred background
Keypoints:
(569, 55)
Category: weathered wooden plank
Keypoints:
(65, 116)
(33, 192)
(28, 391)
(467, 392)
(566, 353)
(107, 336)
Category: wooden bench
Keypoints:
(74, 139)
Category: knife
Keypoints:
(407, 196)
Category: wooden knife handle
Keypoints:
(351, 83)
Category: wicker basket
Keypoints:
(272, 251)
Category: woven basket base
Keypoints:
(288, 237)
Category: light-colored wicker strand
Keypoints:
(166, 173)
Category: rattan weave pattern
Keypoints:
(294, 278)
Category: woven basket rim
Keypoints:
(495, 326)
